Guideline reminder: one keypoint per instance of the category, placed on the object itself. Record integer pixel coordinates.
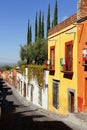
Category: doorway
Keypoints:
(24, 90)
(71, 99)
(32, 89)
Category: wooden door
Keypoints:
(24, 90)
(71, 102)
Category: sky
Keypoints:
(14, 16)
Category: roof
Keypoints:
(63, 24)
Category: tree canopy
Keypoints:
(37, 51)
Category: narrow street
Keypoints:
(16, 116)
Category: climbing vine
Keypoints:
(36, 71)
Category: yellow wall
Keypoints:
(59, 39)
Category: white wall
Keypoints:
(34, 93)
(45, 91)
(34, 84)
(45, 98)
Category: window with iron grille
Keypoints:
(55, 94)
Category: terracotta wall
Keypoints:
(82, 70)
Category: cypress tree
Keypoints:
(36, 28)
(55, 14)
(48, 19)
(42, 29)
(28, 34)
(40, 25)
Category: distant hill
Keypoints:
(7, 64)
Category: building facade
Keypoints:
(67, 60)
(62, 55)
(82, 56)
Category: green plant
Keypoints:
(36, 71)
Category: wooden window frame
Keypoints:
(52, 65)
(68, 69)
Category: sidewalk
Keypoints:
(78, 119)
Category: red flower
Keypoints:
(84, 58)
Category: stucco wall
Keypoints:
(61, 38)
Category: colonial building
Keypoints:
(67, 77)
(62, 83)
(82, 55)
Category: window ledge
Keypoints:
(67, 72)
(51, 69)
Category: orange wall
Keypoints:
(82, 74)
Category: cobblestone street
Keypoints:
(16, 116)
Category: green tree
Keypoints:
(56, 14)
(44, 51)
(48, 19)
(36, 27)
(40, 51)
(29, 34)
(42, 28)
(7, 67)
(29, 53)
(39, 25)
(26, 54)
(23, 53)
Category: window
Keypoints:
(69, 56)
(52, 57)
(55, 93)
